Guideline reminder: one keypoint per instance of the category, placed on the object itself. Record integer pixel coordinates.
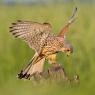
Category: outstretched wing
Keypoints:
(66, 27)
(33, 33)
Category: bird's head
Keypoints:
(68, 49)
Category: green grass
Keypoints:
(15, 54)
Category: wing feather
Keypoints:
(33, 33)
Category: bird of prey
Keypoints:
(46, 45)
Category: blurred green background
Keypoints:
(15, 54)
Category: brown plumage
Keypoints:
(40, 38)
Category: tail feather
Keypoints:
(36, 65)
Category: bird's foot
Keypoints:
(57, 72)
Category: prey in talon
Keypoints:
(39, 37)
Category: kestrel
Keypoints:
(46, 45)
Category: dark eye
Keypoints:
(68, 49)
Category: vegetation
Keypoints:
(14, 53)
